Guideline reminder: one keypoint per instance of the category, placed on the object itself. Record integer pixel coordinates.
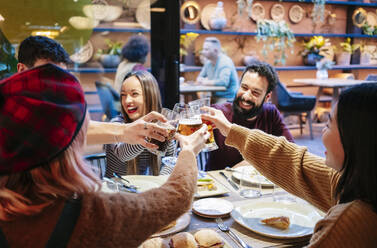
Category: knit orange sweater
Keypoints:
(113, 220)
(301, 173)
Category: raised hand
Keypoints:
(218, 118)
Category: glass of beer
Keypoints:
(196, 107)
(189, 122)
(170, 126)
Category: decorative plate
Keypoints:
(296, 13)
(257, 12)
(371, 19)
(206, 15)
(84, 54)
(277, 12)
(143, 15)
(81, 22)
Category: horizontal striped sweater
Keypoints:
(352, 224)
(118, 154)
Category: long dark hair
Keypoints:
(357, 123)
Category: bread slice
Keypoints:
(155, 243)
(183, 240)
(281, 222)
(208, 238)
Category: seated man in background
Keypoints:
(218, 70)
(39, 50)
(249, 109)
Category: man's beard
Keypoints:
(246, 114)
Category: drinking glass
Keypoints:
(247, 189)
(170, 126)
(196, 106)
(189, 122)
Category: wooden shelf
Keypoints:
(295, 68)
(331, 2)
(184, 31)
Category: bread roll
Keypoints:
(183, 240)
(208, 238)
(155, 243)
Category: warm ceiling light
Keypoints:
(48, 33)
(1, 18)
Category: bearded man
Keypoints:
(249, 109)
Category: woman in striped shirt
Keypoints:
(140, 95)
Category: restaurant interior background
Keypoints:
(294, 34)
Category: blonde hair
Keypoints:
(29, 192)
(152, 102)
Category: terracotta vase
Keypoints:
(343, 58)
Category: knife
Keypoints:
(229, 181)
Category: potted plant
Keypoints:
(277, 37)
(186, 49)
(8, 62)
(344, 57)
(314, 50)
(110, 57)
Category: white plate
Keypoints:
(303, 218)
(220, 190)
(143, 183)
(181, 223)
(212, 207)
(253, 176)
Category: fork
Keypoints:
(224, 228)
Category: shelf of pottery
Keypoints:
(292, 35)
(112, 23)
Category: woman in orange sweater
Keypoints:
(344, 184)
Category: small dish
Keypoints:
(252, 177)
(84, 54)
(212, 207)
(214, 189)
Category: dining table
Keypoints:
(232, 195)
(336, 84)
(189, 90)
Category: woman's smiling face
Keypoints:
(132, 98)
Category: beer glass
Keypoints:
(171, 127)
(189, 122)
(196, 107)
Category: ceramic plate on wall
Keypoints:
(84, 54)
(296, 13)
(206, 15)
(257, 12)
(277, 12)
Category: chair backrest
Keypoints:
(282, 95)
(108, 98)
(371, 77)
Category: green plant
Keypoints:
(113, 48)
(8, 62)
(277, 36)
(348, 47)
(369, 30)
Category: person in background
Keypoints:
(39, 50)
(249, 109)
(139, 95)
(134, 53)
(344, 184)
(218, 70)
(49, 197)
